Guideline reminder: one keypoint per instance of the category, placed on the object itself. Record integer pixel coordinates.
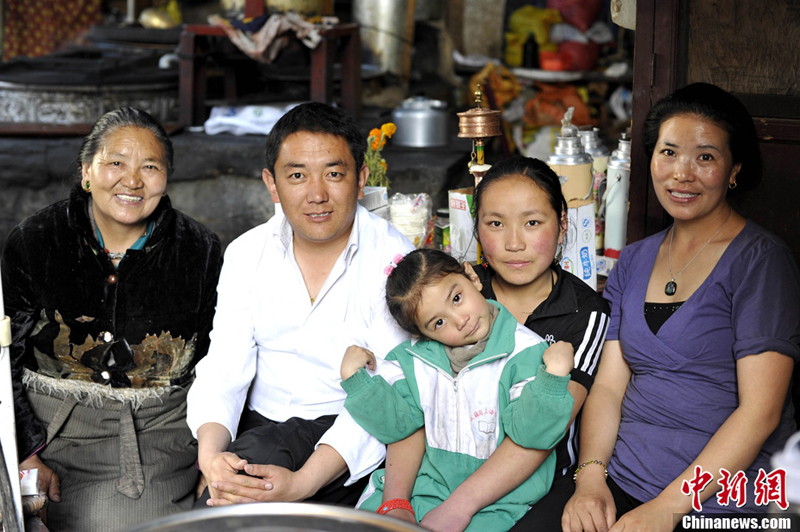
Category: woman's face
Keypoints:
(518, 229)
(692, 167)
(128, 176)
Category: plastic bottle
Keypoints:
(530, 52)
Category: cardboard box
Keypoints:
(605, 265)
(374, 198)
(463, 244)
(579, 245)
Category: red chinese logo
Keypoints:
(768, 488)
(696, 485)
(771, 488)
(733, 488)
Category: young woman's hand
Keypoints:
(591, 508)
(558, 358)
(356, 358)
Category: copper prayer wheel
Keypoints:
(479, 123)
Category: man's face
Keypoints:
(317, 185)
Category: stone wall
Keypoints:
(217, 179)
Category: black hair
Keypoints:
(119, 118)
(315, 117)
(418, 269)
(723, 109)
(534, 169)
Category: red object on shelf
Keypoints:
(579, 56)
(551, 61)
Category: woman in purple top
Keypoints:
(704, 334)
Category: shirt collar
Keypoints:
(283, 235)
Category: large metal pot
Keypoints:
(421, 123)
(276, 517)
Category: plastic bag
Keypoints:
(547, 108)
(579, 13)
(411, 215)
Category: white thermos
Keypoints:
(616, 198)
(590, 138)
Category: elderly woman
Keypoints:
(111, 295)
(705, 330)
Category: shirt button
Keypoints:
(112, 279)
(106, 375)
(108, 336)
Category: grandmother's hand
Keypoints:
(48, 479)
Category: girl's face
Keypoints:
(519, 230)
(453, 312)
(692, 167)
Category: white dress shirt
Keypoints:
(274, 349)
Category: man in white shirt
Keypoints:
(294, 293)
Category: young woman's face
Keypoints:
(453, 312)
(519, 230)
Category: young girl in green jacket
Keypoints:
(472, 376)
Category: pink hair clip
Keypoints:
(392, 265)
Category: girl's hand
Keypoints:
(559, 358)
(356, 358)
(402, 515)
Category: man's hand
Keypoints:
(446, 518)
(221, 467)
(356, 358)
(266, 483)
(48, 479)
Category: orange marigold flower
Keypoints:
(388, 129)
(375, 143)
(384, 165)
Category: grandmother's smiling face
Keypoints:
(127, 177)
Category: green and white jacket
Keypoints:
(504, 391)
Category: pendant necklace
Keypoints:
(672, 287)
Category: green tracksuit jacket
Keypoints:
(504, 391)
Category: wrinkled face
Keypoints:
(453, 312)
(128, 176)
(692, 167)
(519, 230)
(317, 185)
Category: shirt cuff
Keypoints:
(550, 384)
(361, 452)
(357, 383)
